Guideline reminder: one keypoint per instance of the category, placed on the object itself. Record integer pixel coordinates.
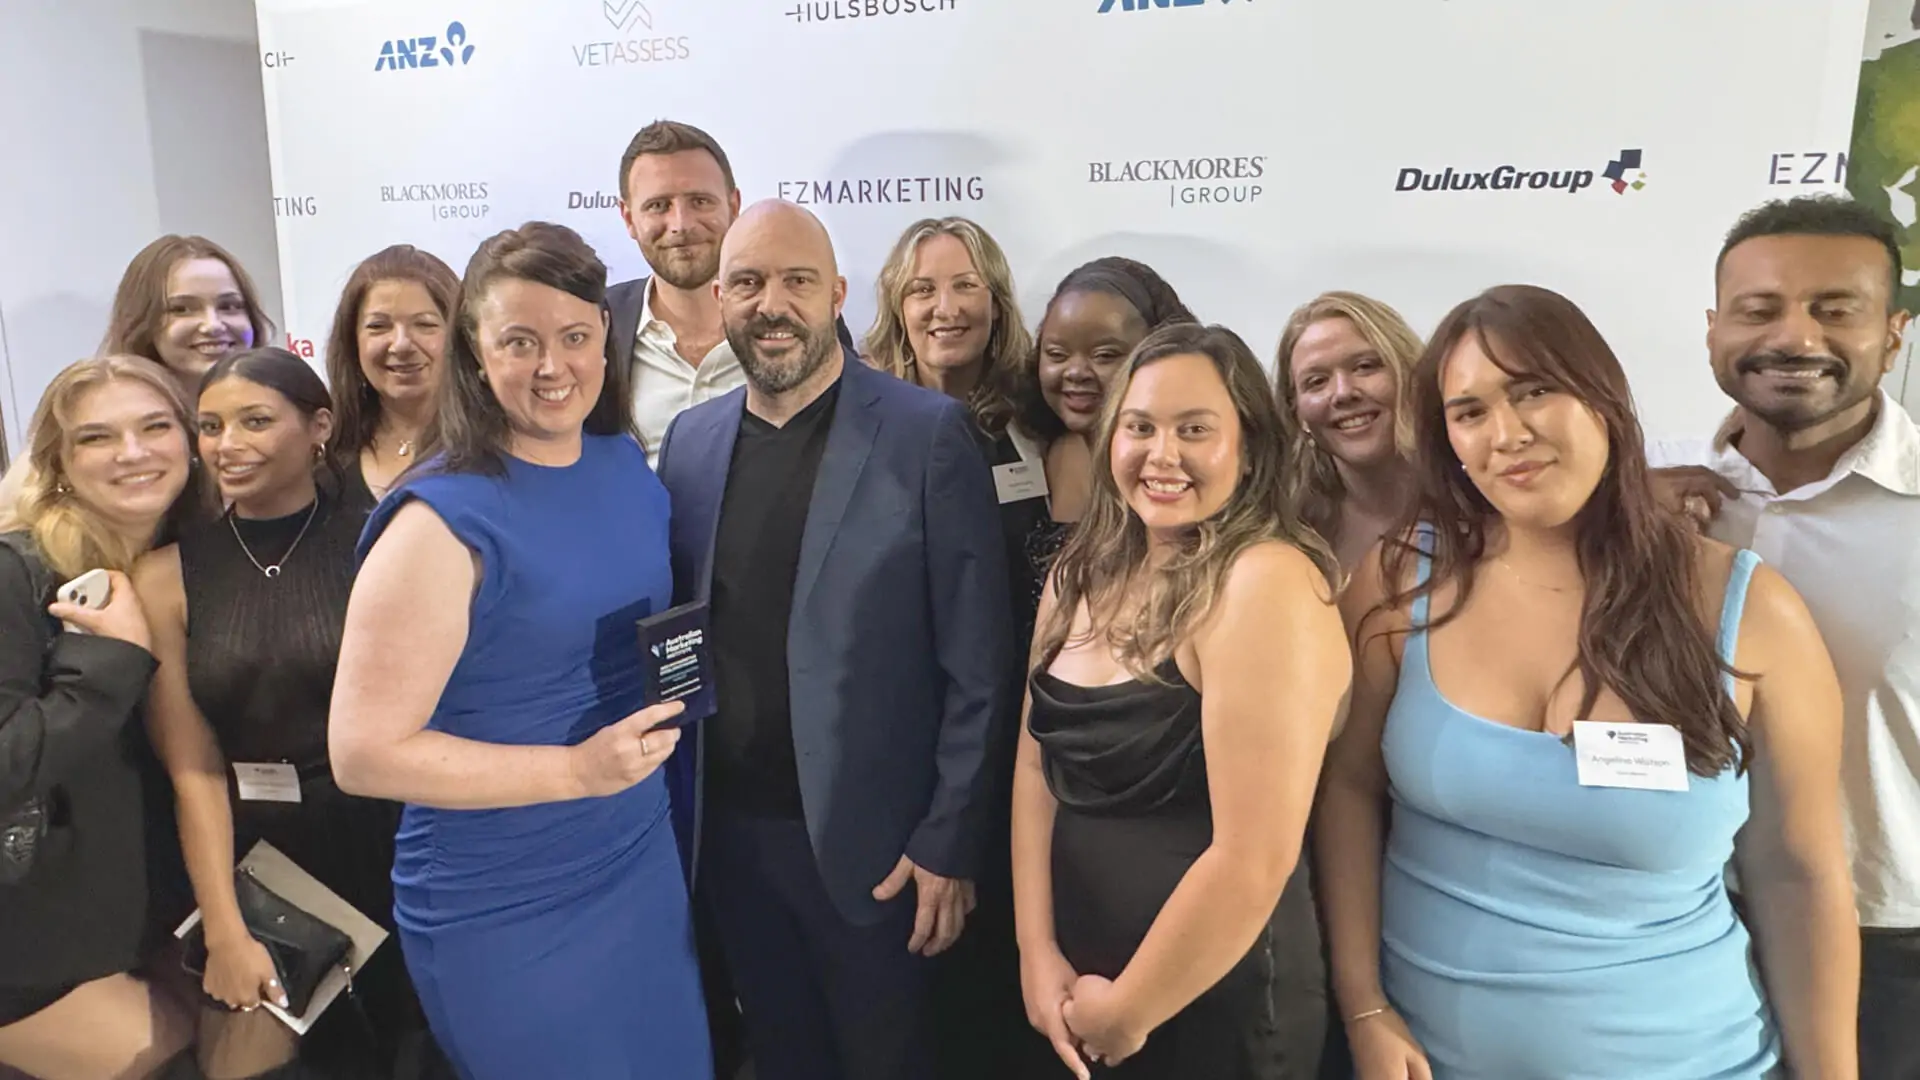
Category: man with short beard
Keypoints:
(677, 198)
(1818, 471)
(840, 523)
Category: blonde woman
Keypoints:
(107, 461)
(947, 320)
(1188, 671)
(1341, 378)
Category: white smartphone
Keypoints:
(90, 590)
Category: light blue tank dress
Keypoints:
(1535, 929)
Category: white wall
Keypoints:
(122, 120)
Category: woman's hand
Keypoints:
(1383, 1049)
(1046, 983)
(1097, 1016)
(121, 618)
(626, 751)
(240, 974)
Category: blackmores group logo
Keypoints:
(884, 190)
(820, 11)
(1622, 172)
(407, 54)
(641, 37)
(1193, 181)
(457, 199)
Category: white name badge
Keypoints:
(1650, 757)
(267, 782)
(1019, 480)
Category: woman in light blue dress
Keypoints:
(1570, 717)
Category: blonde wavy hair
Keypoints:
(70, 537)
(1009, 345)
(1312, 479)
(1108, 548)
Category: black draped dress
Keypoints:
(261, 653)
(1127, 766)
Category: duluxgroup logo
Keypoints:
(460, 199)
(593, 200)
(1155, 5)
(1194, 181)
(406, 54)
(1618, 169)
(890, 190)
(1623, 172)
(631, 17)
(813, 11)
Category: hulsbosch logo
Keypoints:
(1151, 5)
(1623, 173)
(814, 11)
(404, 54)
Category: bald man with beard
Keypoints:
(842, 527)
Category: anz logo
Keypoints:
(402, 54)
(1149, 5)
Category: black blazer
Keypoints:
(624, 301)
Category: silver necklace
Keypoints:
(273, 571)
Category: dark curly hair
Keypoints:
(1135, 282)
(1817, 215)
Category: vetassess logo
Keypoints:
(405, 54)
(1623, 172)
(1194, 181)
(812, 11)
(463, 199)
(647, 40)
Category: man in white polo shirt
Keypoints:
(1818, 471)
(678, 199)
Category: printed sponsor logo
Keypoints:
(1808, 167)
(860, 191)
(1192, 181)
(593, 200)
(275, 59)
(295, 206)
(817, 11)
(1156, 5)
(451, 49)
(1622, 173)
(462, 199)
(646, 40)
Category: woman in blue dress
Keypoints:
(490, 678)
(1580, 714)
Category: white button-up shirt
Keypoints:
(665, 385)
(1850, 544)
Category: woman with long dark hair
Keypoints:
(386, 359)
(1188, 670)
(491, 679)
(1577, 713)
(263, 589)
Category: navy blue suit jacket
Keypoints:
(901, 634)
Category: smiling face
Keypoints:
(947, 309)
(402, 339)
(678, 209)
(1534, 451)
(780, 292)
(1084, 340)
(125, 454)
(1176, 453)
(542, 353)
(1804, 330)
(1344, 393)
(205, 319)
(260, 447)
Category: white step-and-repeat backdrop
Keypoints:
(1253, 151)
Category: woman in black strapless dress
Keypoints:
(1166, 924)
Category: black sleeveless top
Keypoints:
(1128, 749)
(261, 650)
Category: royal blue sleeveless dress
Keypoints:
(1535, 929)
(552, 940)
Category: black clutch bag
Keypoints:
(304, 948)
